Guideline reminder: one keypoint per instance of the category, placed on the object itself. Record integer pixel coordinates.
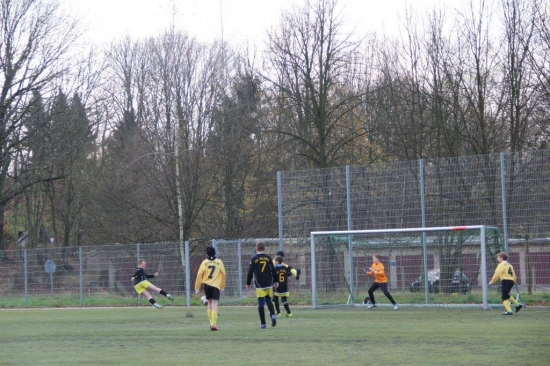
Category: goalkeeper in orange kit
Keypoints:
(380, 282)
(507, 276)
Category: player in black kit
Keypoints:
(262, 270)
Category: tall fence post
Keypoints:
(351, 299)
(504, 209)
(137, 259)
(280, 208)
(424, 243)
(80, 276)
(26, 276)
(187, 274)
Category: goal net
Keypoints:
(456, 261)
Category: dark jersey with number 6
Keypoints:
(282, 273)
(262, 270)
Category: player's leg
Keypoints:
(276, 302)
(384, 288)
(373, 288)
(160, 291)
(506, 288)
(213, 300)
(287, 307)
(151, 300)
(271, 310)
(261, 310)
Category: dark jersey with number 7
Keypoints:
(262, 270)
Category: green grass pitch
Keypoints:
(336, 336)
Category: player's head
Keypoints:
(211, 253)
(142, 263)
(278, 259)
(260, 246)
(503, 256)
(281, 253)
(376, 257)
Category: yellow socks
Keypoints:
(214, 318)
(514, 301)
(507, 306)
(210, 316)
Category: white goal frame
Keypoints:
(481, 228)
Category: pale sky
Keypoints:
(243, 20)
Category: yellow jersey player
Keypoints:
(212, 275)
(507, 276)
(262, 270)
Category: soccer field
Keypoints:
(339, 336)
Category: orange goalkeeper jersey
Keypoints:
(379, 274)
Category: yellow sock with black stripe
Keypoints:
(215, 318)
(514, 301)
(507, 306)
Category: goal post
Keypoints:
(436, 266)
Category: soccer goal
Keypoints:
(438, 266)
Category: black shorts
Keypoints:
(506, 288)
(211, 293)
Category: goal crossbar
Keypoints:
(350, 233)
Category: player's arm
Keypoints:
(250, 274)
(274, 274)
(496, 276)
(198, 281)
(137, 274)
(222, 276)
(292, 271)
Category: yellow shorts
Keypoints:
(142, 286)
(263, 292)
(281, 294)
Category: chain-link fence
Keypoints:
(100, 275)
(509, 191)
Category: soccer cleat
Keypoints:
(395, 307)
(273, 320)
(262, 326)
(279, 314)
(170, 297)
(519, 307)
(508, 313)
(289, 315)
(213, 327)
(298, 272)
(157, 305)
(370, 306)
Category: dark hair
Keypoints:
(376, 255)
(211, 253)
(278, 259)
(260, 246)
(280, 253)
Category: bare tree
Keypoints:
(35, 40)
(519, 28)
(308, 60)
